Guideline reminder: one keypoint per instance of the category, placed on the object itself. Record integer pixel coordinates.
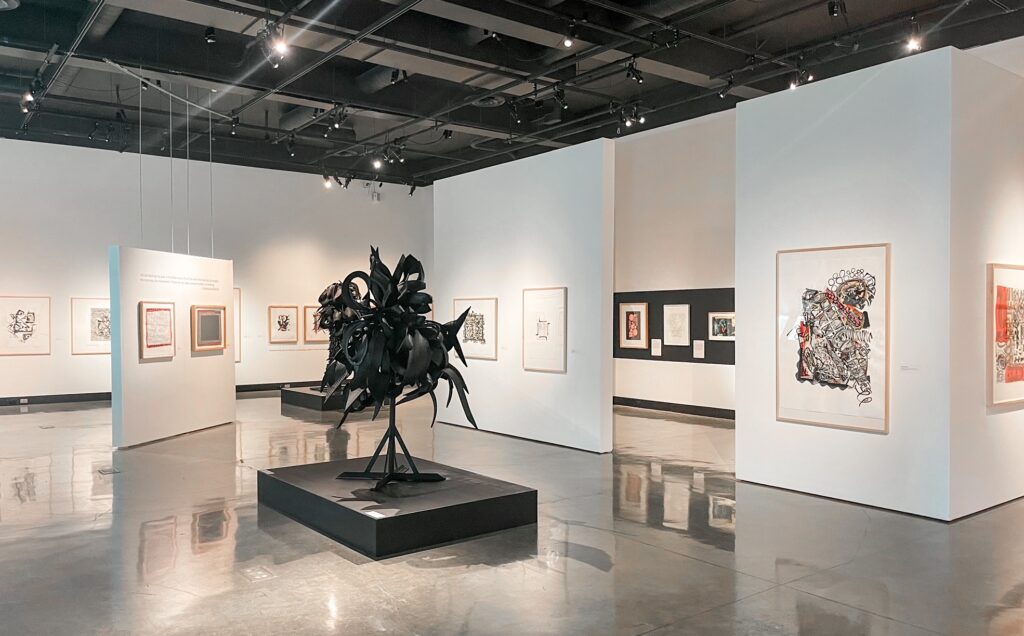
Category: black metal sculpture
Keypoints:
(384, 349)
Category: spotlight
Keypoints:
(280, 47)
(633, 73)
(570, 36)
(348, 180)
(234, 126)
(412, 189)
(395, 75)
(272, 44)
(559, 94)
(27, 101)
(210, 36)
(447, 134)
(95, 129)
(837, 8)
(642, 120)
(514, 113)
(380, 184)
(290, 146)
(327, 132)
(914, 42)
(722, 94)
(377, 163)
(328, 184)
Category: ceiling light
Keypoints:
(913, 44)
(412, 189)
(348, 180)
(837, 8)
(559, 94)
(570, 37)
(722, 94)
(210, 36)
(447, 134)
(234, 126)
(377, 163)
(642, 120)
(8, 5)
(281, 47)
(328, 184)
(633, 73)
(272, 44)
(514, 113)
(290, 146)
(27, 100)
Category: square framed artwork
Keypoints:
(676, 326)
(283, 325)
(311, 331)
(722, 325)
(1005, 334)
(236, 324)
(156, 330)
(90, 326)
(209, 325)
(544, 329)
(633, 326)
(26, 325)
(832, 338)
(479, 334)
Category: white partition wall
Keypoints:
(546, 221)
(157, 398)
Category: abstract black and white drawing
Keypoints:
(90, 326)
(544, 329)
(479, 335)
(832, 351)
(283, 324)
(676, 326)
(26, 325)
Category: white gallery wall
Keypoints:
(545, 221)
(675, 229)
(987, 226)
(287, 235)
(860, 158)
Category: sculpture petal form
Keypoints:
(383, 347)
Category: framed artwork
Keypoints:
(209, 327)
(311, 331)
(832, 340)
(1005, 334)
(722, 325)
(283, 327)
(156, 330)
(633, 326)
(676, 326)
(26, 325)
(479, 334)
(237, 324)
(90, 326)
(544, 329)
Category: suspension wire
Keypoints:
(209, 157)
(188, 171)
(170, 146)
(142, 217)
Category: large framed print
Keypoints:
(676, 326)
(832, 339)
(283, 327)
(90, 326)
(209, 325)
(544, 329)
(1005, 334)
(156, 330)
(26, 325)
(237, 324)
(722, 325)
(311, 331)
(479, 333)
(633, 326)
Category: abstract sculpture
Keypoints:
(384, 349)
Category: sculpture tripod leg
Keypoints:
(392, 471)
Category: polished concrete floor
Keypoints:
(657, 538)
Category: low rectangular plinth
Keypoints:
(405, 517)
(310, 397)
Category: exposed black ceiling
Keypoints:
(433, 88)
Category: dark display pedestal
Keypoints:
(310, 397)
(403, 517)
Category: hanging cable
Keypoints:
(170, 146)
(188, 170)
(142, 217)
(209, 157)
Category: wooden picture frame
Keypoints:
(558, 363)
(306, 331)
(200, 344)
(286, 339)
(46, 328)
(993, 272)
(156, 351)
(89, 348)
(642, 323)
(468, 349)
(885, 347)
(729, 315)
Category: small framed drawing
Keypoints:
(156, 330)
(26, 325)
(722, 325)
(90, 326)
(544, 329)
(237, 324)
(283, 326)
(1005, 341)
(209, 323)
(311, 331)
(479, 334)
(676, 326)
(633, 326)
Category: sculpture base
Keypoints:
(310, 397)
(401, 517)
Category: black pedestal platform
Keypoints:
(310, 397)
(404, 517)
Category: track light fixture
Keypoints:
(633, 73)
(272, 44)
(914, 41)
(570, 36)
(513, 112)
(722, 94)
(95, 129)
(412, 188)
(631, 116)
(328, 183)
(837, 8)
(290, 145)
(447, 134)
(27, 101)
(339, 117)
(348, 181)
(559, 94)
(234, 126)
(377, 163)
(210, 36)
